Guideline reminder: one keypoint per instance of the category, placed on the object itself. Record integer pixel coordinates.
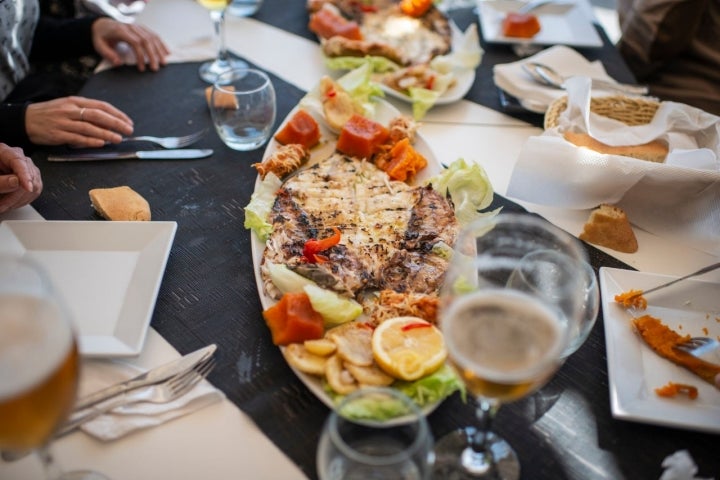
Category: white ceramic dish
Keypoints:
(560, 23)
(383, 114)
(463, 82)
(635, 370)
(109, 274)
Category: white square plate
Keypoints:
(108, 273)
(560, 24)
(635, 371)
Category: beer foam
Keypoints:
(35, 340)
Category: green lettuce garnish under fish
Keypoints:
(261, 202)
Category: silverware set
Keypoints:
(169, 142)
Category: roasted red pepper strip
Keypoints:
(412, 326)
(313, 247)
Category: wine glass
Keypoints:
(505, 341)
(210, 70)
(39, 364)
(356, 446)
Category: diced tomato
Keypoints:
(293, 320)
(313, 247)
(300, 128)
(361, 137)
(326, 24)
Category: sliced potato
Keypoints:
(339, 379)
(354, 342)
(369, 376)
(299, 357)
(323, 347)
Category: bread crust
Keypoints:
(609, 227)
(120, 203)
(655, 151)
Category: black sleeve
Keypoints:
(12, 125)
(61, 38)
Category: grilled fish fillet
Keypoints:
(388, 229)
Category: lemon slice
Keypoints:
(408, 348)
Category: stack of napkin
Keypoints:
(535, 97)
(98, 374)
(678, 199)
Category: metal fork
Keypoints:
(169, 142)
(164, 392)
(704, 348)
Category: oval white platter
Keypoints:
(384, 113)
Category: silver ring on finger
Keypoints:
(82, 114)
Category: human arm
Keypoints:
(20, 180)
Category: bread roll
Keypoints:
(223, 99)
(609, 227)
(654, 151)
(120, 203)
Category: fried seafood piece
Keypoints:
(284, 161)
(345, 47)
(401, 127)
(662, 339)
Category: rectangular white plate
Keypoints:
(108, 273)
(560, 24)
(635, 371)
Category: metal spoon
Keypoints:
(547, 76)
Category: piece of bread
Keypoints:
(654, 151)
(224, 100)
(120, 203)
(609, 227)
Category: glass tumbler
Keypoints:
(355, 447)
(243, 108)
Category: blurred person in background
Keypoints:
(37, 110)
(20, 180)
(673, 46)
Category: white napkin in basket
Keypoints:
(511, 77)
(99, 374)
(675, 199)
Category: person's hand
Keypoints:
(149, 49)
(77, 121)
(20, 180)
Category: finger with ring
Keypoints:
(82, 114)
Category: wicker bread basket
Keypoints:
(629, 110)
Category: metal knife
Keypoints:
(151, 377)
(178, 154)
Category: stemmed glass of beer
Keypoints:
(505, 340)
(39, 363)
(209, 71)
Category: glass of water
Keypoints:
(357, 445)
(243, 108)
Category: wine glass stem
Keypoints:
(218, 18)
(478, 458)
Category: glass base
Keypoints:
(456, 460)
(209, 71)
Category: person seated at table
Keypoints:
(32, 111)
(20, 180)
(672, 46)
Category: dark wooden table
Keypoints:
(208, 294)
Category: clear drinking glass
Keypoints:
(244, 8)
(243, 108)
(505, 340)
(39, 364)
(210, 70)
(353, 447)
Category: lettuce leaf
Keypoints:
(261, 203)
(334, 308)
(358, 83)
(434, 387)
(378, 64)
(468, 186)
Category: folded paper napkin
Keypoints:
(680, 466)
(511, 77)
(677, 199)
(98, 374)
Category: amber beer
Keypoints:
(39, 366)
(503, 344)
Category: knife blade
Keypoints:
(178, 154)
(151, 377)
